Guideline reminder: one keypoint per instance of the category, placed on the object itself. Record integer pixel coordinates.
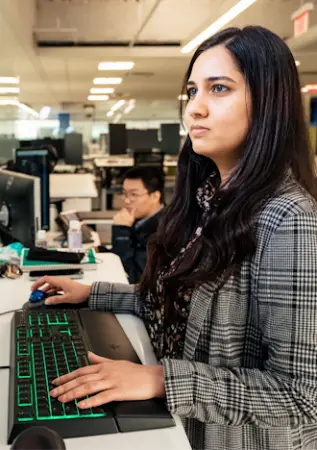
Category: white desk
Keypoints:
(92, 156)
(112, 161)
(72, 185)
(14, 293)
(54, 238)
(77, 189)
(104, 162)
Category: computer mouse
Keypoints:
(37, 299)
(37, 296)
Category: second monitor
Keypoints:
(20, 208)
(35, 162)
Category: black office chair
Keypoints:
(149, 158)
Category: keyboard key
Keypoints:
(83, 360)
(85, 412)
(44, 412)
(57, 410)
(25, 412)
(70, 409)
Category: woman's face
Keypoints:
(218, 112)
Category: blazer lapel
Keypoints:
(199, 304)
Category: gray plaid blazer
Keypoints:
(248, 378)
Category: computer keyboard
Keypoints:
(47, 344)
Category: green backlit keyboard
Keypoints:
(46, 344)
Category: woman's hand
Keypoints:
(73, 292)
(108, 380)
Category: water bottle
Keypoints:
(74, 236)
(40, 240)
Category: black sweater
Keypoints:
(130, 244)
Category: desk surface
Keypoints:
(112, 161)
(72, 185)
(14, 293)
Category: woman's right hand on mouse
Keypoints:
(72, 292)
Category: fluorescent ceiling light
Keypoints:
(237, 9)
(182, 97)
(45, 112)
(102, 90)
(98, 98)
(298, 63)
(8, 101)
(118, 105)
(9, 80)
(110, 113)
(15, 102)
(28, 110)
(116, 80)
(9, 90)
(129, 108)
(117, 118)
(116, 65)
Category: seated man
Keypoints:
(143, 202)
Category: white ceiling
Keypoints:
(61, 76)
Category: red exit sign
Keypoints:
(301, 18)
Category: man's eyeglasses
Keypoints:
(132, 196)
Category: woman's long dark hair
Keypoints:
(277, 141)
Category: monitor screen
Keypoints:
(117, 139)
(73, 149)
(39, 143)
(35, 162)
(143, 139)
(170, 138)
(20, 208)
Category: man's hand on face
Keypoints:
(124, 217)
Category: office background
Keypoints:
(54, 47)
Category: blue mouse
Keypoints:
(37, 296)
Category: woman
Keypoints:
(229, 292)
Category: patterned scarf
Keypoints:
(168, 339)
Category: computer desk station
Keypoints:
(41, 343)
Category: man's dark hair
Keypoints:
(152, 178)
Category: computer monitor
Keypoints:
(38, 143)
(20, 208)
(7, 147)
(170, 138)
(117, 139)
(73, 149)
(143, 139)
(35, 162)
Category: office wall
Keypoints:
(32, 129)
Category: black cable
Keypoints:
(9, 312)
(4, 367)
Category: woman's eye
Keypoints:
(191, 92)
(219, 88)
